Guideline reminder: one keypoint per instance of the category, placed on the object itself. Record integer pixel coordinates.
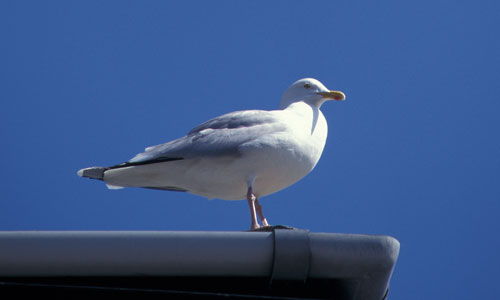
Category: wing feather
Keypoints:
(219, 136)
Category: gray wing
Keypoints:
(219, 136)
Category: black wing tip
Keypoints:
(146, 162)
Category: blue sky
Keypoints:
(412, 153)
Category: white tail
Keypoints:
(113, 187)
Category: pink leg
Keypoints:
(251, 202)
(258, 207)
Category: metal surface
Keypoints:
(292, 255)
(358, 265)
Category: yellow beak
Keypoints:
(335, 95)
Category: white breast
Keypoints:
(284, 158)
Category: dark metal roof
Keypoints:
(282, 264)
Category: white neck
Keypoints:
(310, 114)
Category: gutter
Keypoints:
(279, 255)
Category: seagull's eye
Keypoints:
(307, 86)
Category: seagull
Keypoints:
(240, 155)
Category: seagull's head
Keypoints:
(310, 91)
